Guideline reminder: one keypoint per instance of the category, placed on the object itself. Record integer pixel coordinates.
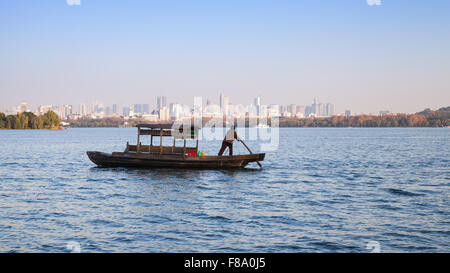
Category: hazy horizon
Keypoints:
(366, 58)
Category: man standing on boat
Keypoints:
(228, 140)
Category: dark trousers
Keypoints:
(224, 146)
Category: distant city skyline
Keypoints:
(167, 110)
(222, 101)
(341, 110)
(360, 56)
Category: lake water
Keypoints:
(322, 190)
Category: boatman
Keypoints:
(228, 140)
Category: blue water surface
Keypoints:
(322, 190)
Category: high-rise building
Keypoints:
(348, 113)
(60, 111)
(224, 102)
(164, 113)
(308, 110)
(316, 107)
(257, 101)
(66, 111)
(126, 111)
(107, 111)
(114, 109)
(83, 109)
(293, 109)
(146, 108)
(161, 102)
(174, 111)
(330, 109)
(301, 111)
(274, 111)
(56, 109)
(98, 107)
(321, 110)
(138, 108)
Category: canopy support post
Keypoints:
(138, 146)
(160, 141)
(173, 147)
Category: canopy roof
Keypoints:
(164, 126)
(155, 125)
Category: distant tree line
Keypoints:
(100, 123)
(426, 118)
(28, 120)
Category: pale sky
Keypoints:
(393, 56)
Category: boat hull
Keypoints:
(142, 160)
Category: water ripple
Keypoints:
(323, 190)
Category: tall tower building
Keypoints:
(126, 111)
(224, 102)
(67, 110)
(293, 109)
(137, 108)
(315, 108)
(257, 101)
(330, 109)
(161, 102)
(107, 111)
(98, 107)
(146, 108)
(83, 109)
(301, 111)
(320, 110)
(164, 113)
(308, 110)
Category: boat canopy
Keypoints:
(167, 129)
(164, 130)
(155, 125)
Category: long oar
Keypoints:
(245, 145)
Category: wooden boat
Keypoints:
(152, 156)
